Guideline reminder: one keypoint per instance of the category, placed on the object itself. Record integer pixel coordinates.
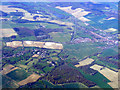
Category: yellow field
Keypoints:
(78, 13)
(8, 69)
(23, 66)
(33, 44)
(14, 44)
(84, 19)
(35, 55)
(27, 15)
(111, 18)
(7, 32)
(110, 74)
(50, 45)
(85, 62)
(111, 30)
(32, 78)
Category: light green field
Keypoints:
(81, 50)
(60, 37)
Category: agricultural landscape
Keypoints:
(59, 45)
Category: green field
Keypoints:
(82, 50)
(8, 82)
(74, 85)
(60, 37)
(110, 52)
(47, 69)
(98, 78)
(18, 75)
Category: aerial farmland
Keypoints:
(59, 45)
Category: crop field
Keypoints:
(7, 32)
(110, 52)
(61, 23)
(8, 69)
(18, 75)
(60, 37)
(27, 15)
(74, 49)
(32, 78)
(111, 30)
(8, 82)
(110, 74)
(78, 13)
(49, 45)
(59, 45)
(47, 69)
(52, 26)
(14, 44)
(84, 62)
(9, 24)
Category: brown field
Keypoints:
(85, 62)
(32, 78)
(110, 74)
(49, 45)
(8, 69)
(78, 13)
(7, 32)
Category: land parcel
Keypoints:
(110, 74)
(52, 45)
(32, 78)
(7, 32)
(33, 44)
(8, 69)
(85, 62)
(49, 45)
(78, 13)
(14, 44)
(27, 15)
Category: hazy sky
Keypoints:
(60, 0)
